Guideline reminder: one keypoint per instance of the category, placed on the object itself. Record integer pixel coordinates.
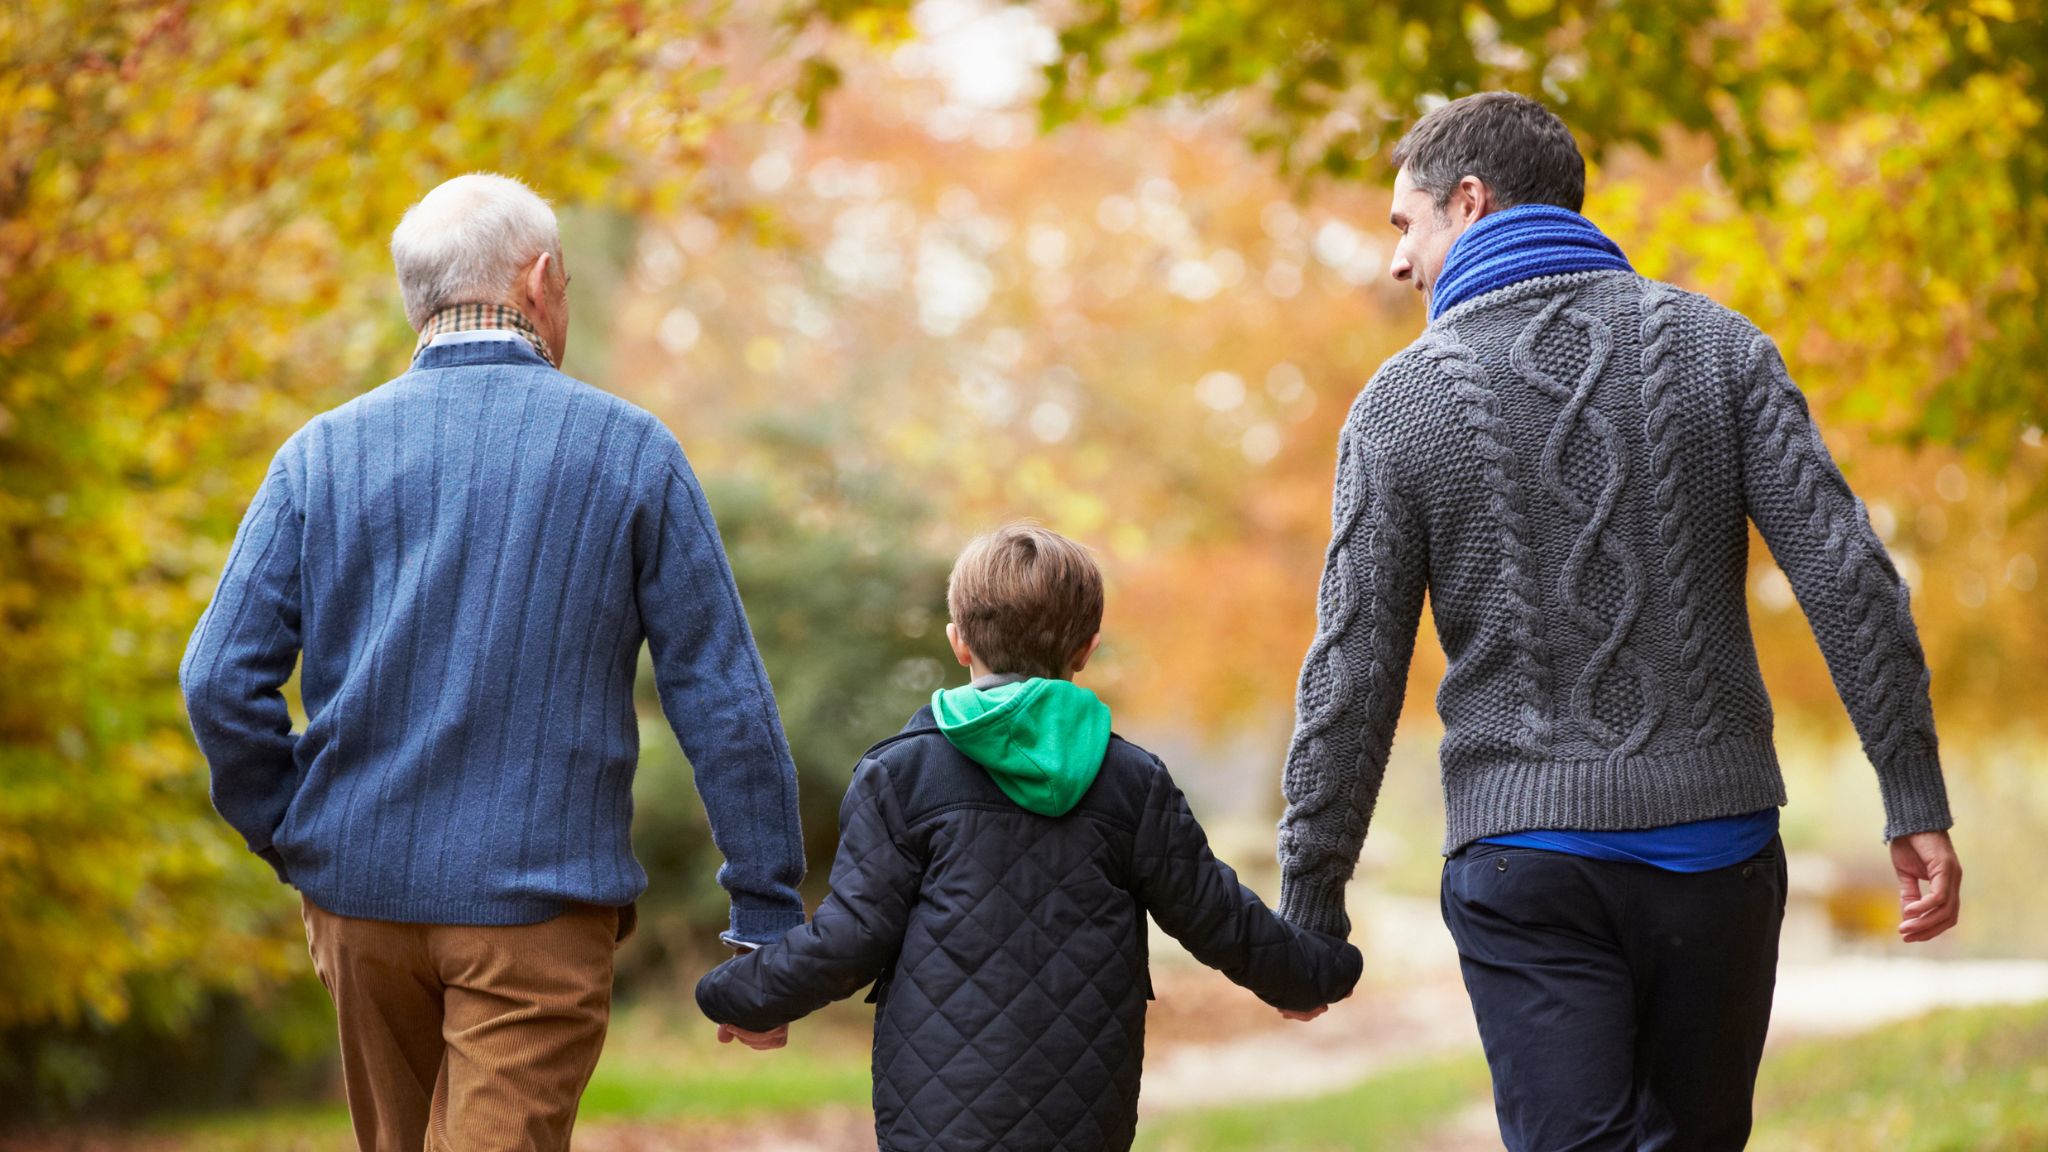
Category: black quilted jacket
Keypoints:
(1007, 948)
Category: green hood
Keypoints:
(1042, 741)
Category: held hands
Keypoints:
(1923, 857)
(1311, 1014)
(759, 1041)
(1346, 950)
(1927, 856)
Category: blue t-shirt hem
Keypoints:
(1699, 846)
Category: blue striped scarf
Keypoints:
(1521, 243)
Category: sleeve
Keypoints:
(1352, 681)
(854, 937)
(1199, 901)
(236, 664)
(716, 696)
(1820, 535)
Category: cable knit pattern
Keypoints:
(1674, 531)
(1357, 665)
(1610, 633)
(1569, 466)
(1517, 562)
(1837, 566)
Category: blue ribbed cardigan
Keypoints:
(469, 558)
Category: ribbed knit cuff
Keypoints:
(1316, 904)
(763, 925)
(1915, 796)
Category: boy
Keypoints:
(996, 861)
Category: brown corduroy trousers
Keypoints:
(467, 1039)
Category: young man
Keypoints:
(469, 558)
(1568, 460)
(996, 862)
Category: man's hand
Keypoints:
(758, 1041)
(1311, 1013)
(1930, 857)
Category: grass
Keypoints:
(1959, 1081)
(1972, 1080)
(308, 1128)
(663, 1064)
(1389, 1111)
(659, 1064)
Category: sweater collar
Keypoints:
(1522, 243)
(477, 353)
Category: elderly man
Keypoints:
(1568, 461)
(468, 557)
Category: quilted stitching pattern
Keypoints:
(1011, 947)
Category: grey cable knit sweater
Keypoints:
(1567, 465)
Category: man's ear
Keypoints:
(536, 282)
(1473, 199)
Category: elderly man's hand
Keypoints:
(1927, 857)
(758, 1041)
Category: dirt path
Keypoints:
(1417, 1009)
(1211, 1043)
(1382, 1026)
(829, 1130)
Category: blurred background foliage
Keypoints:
(1861, 155)
(849, 608)
(894, 274)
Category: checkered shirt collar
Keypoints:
(474, 317)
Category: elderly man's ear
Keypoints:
(543, 295)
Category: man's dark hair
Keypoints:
(1520, 149)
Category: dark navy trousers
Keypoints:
(1623, 1007)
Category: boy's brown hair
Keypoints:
(1026, 600)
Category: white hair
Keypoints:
(466, 241)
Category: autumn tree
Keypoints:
(1874, 172)
(192, 220)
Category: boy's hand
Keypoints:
(758, 1041)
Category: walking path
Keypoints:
(1211, 1043)
(1415, 1008)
